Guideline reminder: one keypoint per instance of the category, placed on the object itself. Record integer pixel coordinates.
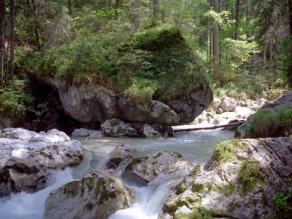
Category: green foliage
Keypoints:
(283, 203)
(201, 213)
(247, 85)
(153, 63)
(249, 176)
(266, 123)
(15, 101)
(225, 151)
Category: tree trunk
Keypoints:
(216, 46)
(156, 4)
(237, 6)
(2, 28)
(70, 7)
(11, 38)
(289, 72)
(136, 5)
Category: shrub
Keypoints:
(283, 203)
(249, 175)
(266, 123)
(155, 63)
(15, 100)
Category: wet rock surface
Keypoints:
(27, 158)
(240, 181)
(96, 196)
(146, 169)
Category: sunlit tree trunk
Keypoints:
(216, 46)
(156, 4)
(237, 6)
(2, 49)
(11, 38)
(289, 73)
(136, 14)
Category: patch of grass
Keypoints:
(265, 123)
(283, 203)
(201, 213)
(225, 150)
(197, 187)
(249, 176)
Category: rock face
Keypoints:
(27, 158)
(95, 196)
(145, 169)
(242, 180)
(90, 103)
(272, 120)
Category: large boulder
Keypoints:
(28, 158)
(88, 103)
(145, 169)
(247, 178)
(95, 196)
(272, 120)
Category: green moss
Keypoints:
(227, 190)
(283, 204)
(197, 187)
(114, 122)
(196, 171)
(249, 176)
(225, 151)
(201, 213)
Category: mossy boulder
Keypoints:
(244, 185)
(95, 196)
(151, 77)
(272, 120)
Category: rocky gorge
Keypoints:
(180, 177)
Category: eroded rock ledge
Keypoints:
(28, 158)
(242, 180)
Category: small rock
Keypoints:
(118, 128)
(228, 104)
(150, 132)
(82, 132)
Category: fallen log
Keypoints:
(211, 127)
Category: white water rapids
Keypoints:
(197, 147)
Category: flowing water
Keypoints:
(196, 147)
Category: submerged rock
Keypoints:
(27, 158)
(95, 196)
(242, 180)
(145, 169)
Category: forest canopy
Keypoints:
(243, 46)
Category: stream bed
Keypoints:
(197, 147)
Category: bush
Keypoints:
(265, 123)
(15, 101)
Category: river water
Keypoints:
(197, 147)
